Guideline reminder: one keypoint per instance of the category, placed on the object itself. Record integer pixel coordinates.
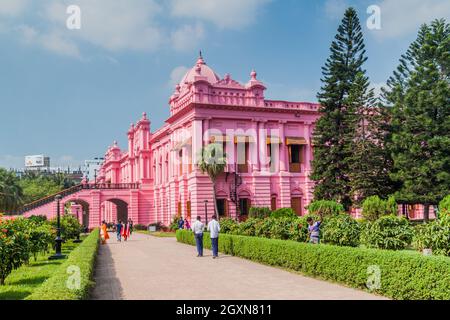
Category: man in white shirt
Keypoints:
(197, 228)
(214, 229)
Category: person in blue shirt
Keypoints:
(314, 230)
(181, 223)
(119, 227)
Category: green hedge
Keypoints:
(404, 275)
(55, 288)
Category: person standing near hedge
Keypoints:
(214, 229)
(314, 230)
(197, 228)
(119, 227)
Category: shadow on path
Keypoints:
(107, 285)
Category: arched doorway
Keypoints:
(115, 210)
(71, 207)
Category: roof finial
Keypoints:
(200, 58)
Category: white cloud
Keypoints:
(403, 17)
(53, 41)
(176, 75)
(187, 37)
(124, 25)
(229, 14)
(112, 25)
(12, 7)
(334, 9)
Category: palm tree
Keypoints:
(10, 192)
(212, 161)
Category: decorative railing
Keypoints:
(75, 189)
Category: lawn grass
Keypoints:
(158, 234)
(23, 281)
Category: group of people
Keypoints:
(123, 230)
(213, 227)
(184, 224)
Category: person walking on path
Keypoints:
(214, 229)
(104, 232)
(126, 231)
(130, 222)
(119, 227)
(197, 228)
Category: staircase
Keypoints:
(70, 191)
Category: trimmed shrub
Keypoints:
(325, 208)
(341, 230)
(283, 213)
(444, 207)
(388, 232)
(259, 213)
(60, 285)
(374, 207)
(404, 275)
(434, 235)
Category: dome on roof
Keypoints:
(200, 70)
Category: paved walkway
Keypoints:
(147, 267)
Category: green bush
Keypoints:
(14, 247)
(325, 208)
(434, 235)
(174, 225)
(341, 230)
(444, 207)
(70, 227)
(374, 207)
(228, 225)
(388, 232)
(248, 227)
(283, 213)
(259, 213)
(139, 227)
(404, 275)
(60, 286)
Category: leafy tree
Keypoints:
(325, 208)
(212, 161)
(335, 130)
(374, 207)
(37, 188)
(11, 194)
(419, 93)
(370, 163)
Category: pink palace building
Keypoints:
(267, 144)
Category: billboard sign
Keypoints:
(34, 161)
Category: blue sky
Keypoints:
(70, 93)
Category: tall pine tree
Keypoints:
(419, 92)
(370, 163)
(335, 130)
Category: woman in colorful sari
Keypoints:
(104, 232)
(126, 230)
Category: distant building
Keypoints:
(92, 167)
(37, 162)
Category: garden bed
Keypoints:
(402, 275)
(72, 280)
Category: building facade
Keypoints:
(267, 145)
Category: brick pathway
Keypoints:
(147, 267)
